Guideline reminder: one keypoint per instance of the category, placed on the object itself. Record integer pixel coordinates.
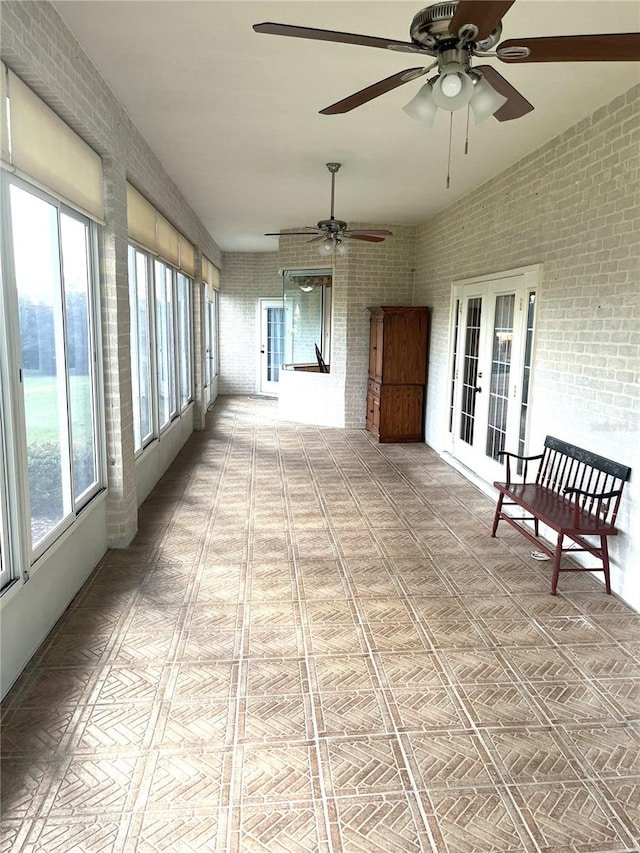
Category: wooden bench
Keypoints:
(575, 492)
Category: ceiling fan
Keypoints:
(331, 233)
(454, 33)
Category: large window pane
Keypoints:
(55, 299)
(165, 345)
(140, 347)
(184, 340)
(77, 277)
(40, 306)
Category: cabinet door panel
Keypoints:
(405, 348)
(401, 412)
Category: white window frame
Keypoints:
(18, 550)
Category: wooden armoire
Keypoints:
(397, 372)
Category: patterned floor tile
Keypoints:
(608, 751)
(287, 828)
(336, 639)
(499, 705)
(342, 672)
(200, 682)
(567, 816)
(622, 693)
(25, 781)
(351, 712)
(96, 833)
(532, 755)
(275, 717)
(449, 760)
(478, 820)
(274, 773)
(366, 765)
(96, 785)
(108, 728)
(571, 701)
(38, 731)
(185, 778)
(375, 823)
(411, 669)
(623, 796)
(421, 709)
(194, 724)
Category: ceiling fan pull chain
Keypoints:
(466, 139)
(449, 154)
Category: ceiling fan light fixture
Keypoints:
(343, 248)
(485, 101)
(422, 107)
(326, 247)
(454, 88)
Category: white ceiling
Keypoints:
(233, 115)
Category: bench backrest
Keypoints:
(567, 466)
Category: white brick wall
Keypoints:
(573, 206)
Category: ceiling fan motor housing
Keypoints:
(430, 28)
(332, 226)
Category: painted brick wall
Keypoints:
(245, 279)
(573, 206)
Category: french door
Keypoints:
(492, 337)
(271, 344)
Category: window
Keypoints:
(307, 316)
(211, 367)
(185, 350)
(141, 353)
(165, 343)
(54, 285)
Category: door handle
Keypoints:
(477, 390)
(262, 351)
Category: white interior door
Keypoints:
(271, 344)
(491, 359)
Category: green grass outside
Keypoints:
(41, 409)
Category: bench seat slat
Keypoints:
(553, 510)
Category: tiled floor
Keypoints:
(314, 644)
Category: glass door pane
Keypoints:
(470, 369)
(275, 343)
(500, 374)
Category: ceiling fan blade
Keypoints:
(319, 237)
(369, 238)
(332, 35)
(608, 47)
(484, 14)
(517, 105)
(373, 91)
(370, 232)
(292, 233)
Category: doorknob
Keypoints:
(262, 350)
(477, 390)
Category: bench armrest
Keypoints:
(597, 496)
(515, 455)
(571, 490)
(526, 459)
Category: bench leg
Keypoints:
(557, 556)
(496, 517)
(604, 548)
